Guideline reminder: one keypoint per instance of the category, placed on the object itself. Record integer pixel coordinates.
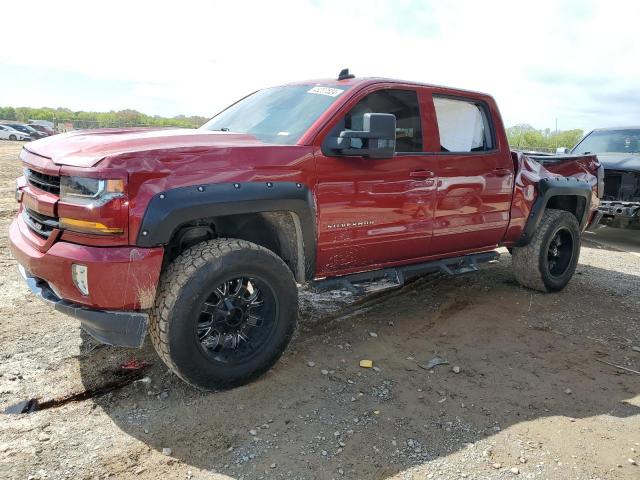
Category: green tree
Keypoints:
(112, 119)
(7, 113)
(526, 137)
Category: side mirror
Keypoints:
(376, 140)
(562, 151)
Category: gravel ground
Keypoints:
(524, 394)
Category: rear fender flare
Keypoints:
(169, 210)
(553, 187)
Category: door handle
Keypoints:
(422, 174)
(502, 172)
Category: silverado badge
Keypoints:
(361, 223)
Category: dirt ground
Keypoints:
(532, 398)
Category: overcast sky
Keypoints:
(577, 61)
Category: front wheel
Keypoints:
(549, 261)
(224, 313)
(12, 137)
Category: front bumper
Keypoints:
(619, 213)
(122, 282)
(126, 329)
(119, 278)
(628, 210)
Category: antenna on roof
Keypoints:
(345, 75)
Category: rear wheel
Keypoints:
(224, 313)
(549, 261)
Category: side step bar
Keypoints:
(397, 276)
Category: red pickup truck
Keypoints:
(202, 236)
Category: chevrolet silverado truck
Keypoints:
(201, 237)
(618, 151)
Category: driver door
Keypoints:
(376, 212)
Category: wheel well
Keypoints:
(569, 203)
(279, 232)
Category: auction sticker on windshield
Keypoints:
(330, 92)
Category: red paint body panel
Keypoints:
(119, 277)
(182, 168)
(369, 213)
(85, 148)
(529, 173)
(397, 209)
(397, 212)
(475, 189)
(39, 162)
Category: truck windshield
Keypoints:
(610, 141)
(278, 115)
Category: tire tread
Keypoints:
(526, 260)
(174, 279)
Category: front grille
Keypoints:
(48, 183)
(41, 224)
(621, 186)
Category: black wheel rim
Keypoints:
(237, 319)
(560, 252)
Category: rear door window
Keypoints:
(463, 125)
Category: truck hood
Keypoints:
(620, 161)
(88, 147)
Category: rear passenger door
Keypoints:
(475, 178)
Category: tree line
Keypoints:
(82, 119)
(526, 137)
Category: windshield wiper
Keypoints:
(222, 129)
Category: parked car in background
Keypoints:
(42, 129)
(44, 123)
(8, 133)
(32, 132)
(618, 150)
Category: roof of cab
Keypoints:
(609, 129)
(366, 81)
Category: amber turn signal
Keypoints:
(84, 226)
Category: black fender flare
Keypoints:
(553, 187)
(169, 210)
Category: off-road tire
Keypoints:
(184, 287)
(530, 264)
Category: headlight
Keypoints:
(89, 191)
(92, 205)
